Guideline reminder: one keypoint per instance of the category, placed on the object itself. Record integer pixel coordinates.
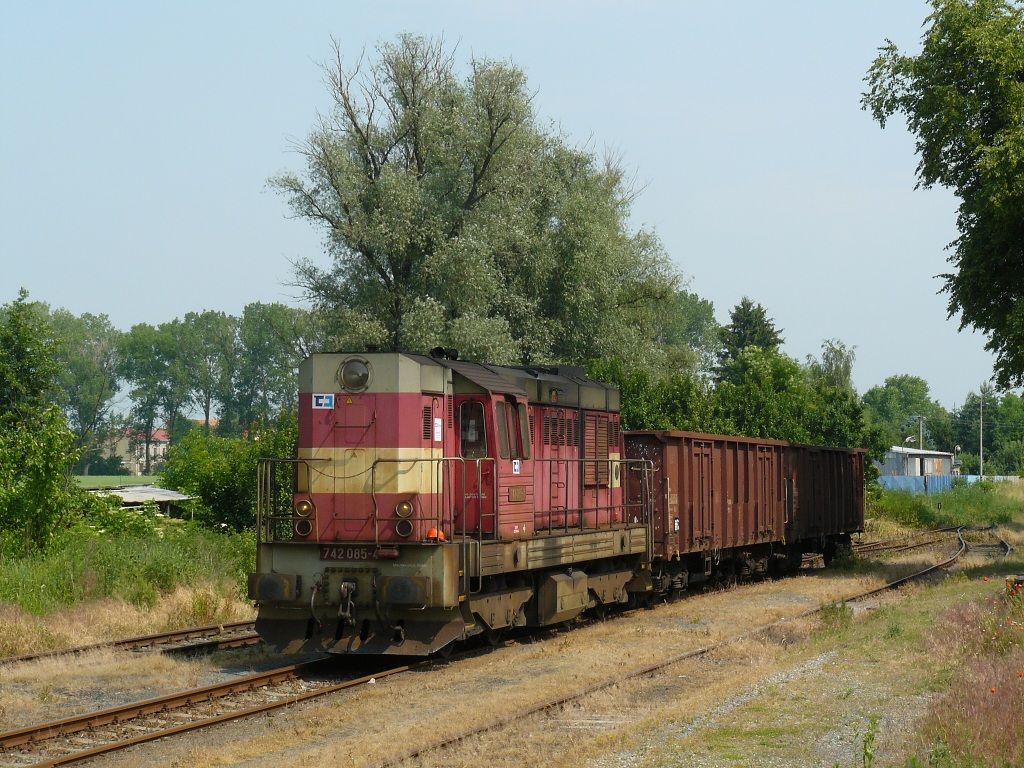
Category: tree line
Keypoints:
(902, 410)
(453, 215)
(202, 369)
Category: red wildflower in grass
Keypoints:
(984, 578)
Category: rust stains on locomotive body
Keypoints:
(436, 499)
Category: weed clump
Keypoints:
(978, 504)
(976, 721)
(836, 616)
(136, 563)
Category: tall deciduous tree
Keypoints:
(208, 342)
(835, 366)
(154, 365)
(895, 406)
(87, 376)
(963, 98)
(689, 333)
(271, 340)
(453, 218)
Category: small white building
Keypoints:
(913, 462)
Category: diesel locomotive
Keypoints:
(433, 499)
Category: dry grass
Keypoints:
(878, 528)
(46, 689)
(379, 722)
(61, 686)
(104, 620)
(978, 717)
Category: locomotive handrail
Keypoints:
(445, 517)
(574, 518)
(265, 486)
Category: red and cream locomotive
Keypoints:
(436, 499)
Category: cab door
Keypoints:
(474, 479)
(514, 467)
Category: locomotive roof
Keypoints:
(550, 385)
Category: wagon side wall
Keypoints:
(712, 491)
(827, 491)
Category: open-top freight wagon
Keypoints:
(737, 506)
(436, 499)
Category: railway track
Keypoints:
(903, 543)
(70, 740)
(237, 634)
(81, 737)
(649, 669)
(996, 548)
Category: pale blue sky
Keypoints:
(135, 144)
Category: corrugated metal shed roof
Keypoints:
(918, 452)
(140, 494)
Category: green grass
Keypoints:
(135, 565)
(978, 504)
(112, 481)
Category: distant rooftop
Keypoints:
(140, 494)
(917, 451)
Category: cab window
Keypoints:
(502, 424)
(524, 431)
(473, 439)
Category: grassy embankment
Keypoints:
(122, 574)
(935, 680)
(979, 504)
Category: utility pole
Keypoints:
(920, 432)
(981, 433)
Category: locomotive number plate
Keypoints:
(329, 552)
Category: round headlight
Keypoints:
(354, 375)
(403, 528)
(304, 508)
(403, 509)
(303, 528)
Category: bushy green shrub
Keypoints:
(135, 565)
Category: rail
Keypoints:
(502, 720)
(56, 742)
(233, 634)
